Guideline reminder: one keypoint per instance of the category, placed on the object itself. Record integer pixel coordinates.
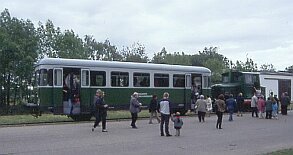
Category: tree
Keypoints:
(248, 66)
(289, 69)
(267, 68)
(160, 57)
(47, 35)
(134, 53)
(18, 46)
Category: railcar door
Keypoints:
(188, 92)
(71, 91)
(57, 90)
(85, 92)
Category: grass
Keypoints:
(282, 152)
(50, 118)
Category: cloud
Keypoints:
(253, 27)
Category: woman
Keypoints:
(134, 109)
(201, 105)
(100, 110)
(220, 110)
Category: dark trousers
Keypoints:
(231, 111)
(100, 116)
(254, 110)
(269, 114)
(284, 109)
(165, 120)
(133, 119)
(220, 119)
(201, 115)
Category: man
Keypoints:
(254, 105)
(285, 101)
(231, 104)
(134, 109)
(165, 110)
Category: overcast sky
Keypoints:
(257, 29)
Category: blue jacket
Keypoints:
(231, 103)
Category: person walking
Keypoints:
(220, 109)
(101, 110)
(269, 107)
(134, 109)
(209, 105)
(240, 104)
(153, 107)
(261, 106)
(165, 110)
(254, 105)
(201, 105)
(285, 101)
(231, 105)
(178, 123)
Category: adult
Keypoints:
(253, 105)
(285, 101)
(220, 104)
(261, 106)
(269, 107)
(101, 110)
(240, 104)
(153, 107)
(201, 105)
(134, 109)
(209, 105)
(231, 105)
(165, 110)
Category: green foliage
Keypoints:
(289, 69)
(267, 68)
(18, 46)
(134, 53)
(248, 66)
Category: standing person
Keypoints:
(269, 107)
(275, 109)
(178, 123)
(165, 110)
(153, 107)
(101, 112)
(261, 106)
(254, 105)
(201, 105)
(277, 101)
(240, 102)
(134, 109)
(220, 104)
(285, 101)
(231, 104)
(209, 105)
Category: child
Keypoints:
(275, 110)
(177, 123)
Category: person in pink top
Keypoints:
(261, 106)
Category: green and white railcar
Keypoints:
(59, 80)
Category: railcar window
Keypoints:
(178, 80)
(46, 77)
(58, 77)
(85, 78)
(161, 80)
(141, 79)
(98, 78)
(206, 82)
(119, 79)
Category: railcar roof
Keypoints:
(117, 64)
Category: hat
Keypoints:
(177, 114)
(99, 91)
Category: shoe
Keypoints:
(104, 130)
(162, 134)
(168, 135)
(150, 122)
(220, 128)
(93, 129)
(134, 127)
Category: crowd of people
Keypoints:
(260, 108)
